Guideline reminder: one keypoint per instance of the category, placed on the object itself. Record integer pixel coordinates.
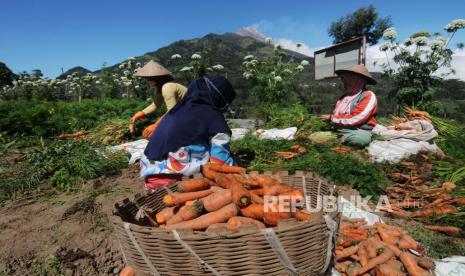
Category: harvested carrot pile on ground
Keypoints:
(380, 249)
(228, 198)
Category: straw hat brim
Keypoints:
(358, 70)
(152, 69)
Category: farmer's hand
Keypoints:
(325, 117)
(148, 131)
(139, 115)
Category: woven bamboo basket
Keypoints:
(291, 248)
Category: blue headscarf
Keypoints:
(195, 119)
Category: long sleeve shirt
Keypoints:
(356, 110)
(171, 93)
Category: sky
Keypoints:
(54, 34)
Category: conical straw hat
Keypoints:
(152, 69)
(361, 70)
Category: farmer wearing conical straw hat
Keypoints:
(355, 113)
(167, 90)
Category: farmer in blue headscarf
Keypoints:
(191, 134)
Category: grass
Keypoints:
(439, 246)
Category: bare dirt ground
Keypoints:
(45, 233)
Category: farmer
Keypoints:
(355, 113)
(191, 134)
(167, 90)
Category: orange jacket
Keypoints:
(362, 112)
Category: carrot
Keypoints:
(214, 226)
(388, 270)
(449, 186)
(181, 198)
(166, 214)
(236, 222)
(223, 180)
(273, 218)
(410, 264)
(275, 189)
(346, 252)
(194, 185)
(256, 198)
(426, 263)
(302, 215)
(187, 213)
(450, 230)
(362, 253)
(372, 263)
(394, 249)
(208, 172)
(257, 192)
(217, 200)
(255, 211)
(389, 237)
(342, 267)
(127, 271)
(204, 221)
(240, 195)
(352, 269)
(460, 201)
(372, 247)
(263, 180)
(245, 180)
(224, 168)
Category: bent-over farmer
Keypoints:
(167, 90)
(355, 113)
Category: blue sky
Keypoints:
(56, 34)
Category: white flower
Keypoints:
(196, 56)
(136, 87)
(186, 68)
(278, 79)
(408, 42)
(97, 82)
(247, 75)
(253, 62)
(126, 72)
(218, 67)
(455, 25)
(123, 78)
(304, 62)
(390, 34)
(131, 58)
(138, 64)
(437, 43)
(268, 40)
(248, 57)
(299, 67)
(287, 71)
(384, 47)
(420, 40)
(121, 66)
(176, 56)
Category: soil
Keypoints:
(45, 232)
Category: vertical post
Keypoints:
(364, 50)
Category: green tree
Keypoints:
(6, 75)
(364, 21)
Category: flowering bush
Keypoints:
(198, 66)
(416, 65)
(271, 80)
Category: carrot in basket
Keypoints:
(194, 185)
(450, 230)
(127, 271)
(411, 265)
(204, 221)
(208, 172)
(165, 214)
(273, 218)
(217, 200)
(181, 198)
(302, 215)
(276, 189)
(264, 180)
(257, 191)
(187, 213)
(236, 222)
(240, 195)
(256, 198)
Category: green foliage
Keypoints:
(451, 137)
(6, 76)
(364, 21)
(438, 245)
(63, 164)
(341, 169)
(53, 118)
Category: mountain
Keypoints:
(81, 71)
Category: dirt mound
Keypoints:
(64, 233)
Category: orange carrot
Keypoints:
(346, 252)
(256, 198)
(257, 192)
(202, 222)
(460, 201)
(276, 189)
(240, 195)
(181, 198)
(127, 271)
(217, 200)
(236, 222)
(450, 230)
(224, 168)
(194, 185)
(342, 267)
(410, 264)
(372, 263)
(165, 214)
(255, 211)
(388, 270)
(187, 213)
(208, 172)
(362, 253)
(302, 215)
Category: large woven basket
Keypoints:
(291, 248)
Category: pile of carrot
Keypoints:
(226, 197)
(379, 249)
